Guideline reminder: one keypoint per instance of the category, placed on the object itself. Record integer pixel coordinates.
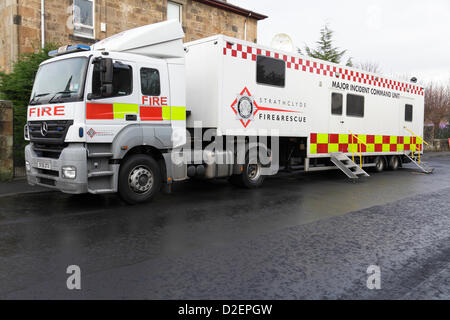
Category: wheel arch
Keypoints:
(153, 152)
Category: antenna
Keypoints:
(282, 42)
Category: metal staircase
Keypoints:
(415, 156)
(350, 168)
(422, 166)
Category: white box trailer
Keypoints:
(300, 97)
(113, 117)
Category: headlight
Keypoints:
(69, 172)
(27, 166)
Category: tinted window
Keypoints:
(336, 103)
(408, 112)
(355, 105)
(270, 71)
(122, 80)
(150, 84)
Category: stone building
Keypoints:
(26, 24)
(6, 141)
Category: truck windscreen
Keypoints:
(60, 81)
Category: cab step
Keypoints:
(101, 191)
(96, 174)
(100, 155)
(347, 166)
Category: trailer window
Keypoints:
(270, 71)
(355, 106)
(122, 80)
(408, 112)
(150, 83)
(336, 103)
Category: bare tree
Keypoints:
(437, 104)
(369, 66)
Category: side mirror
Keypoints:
(107, 90)
(107, 70)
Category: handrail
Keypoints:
(412, 153)
(360, 151)
(405, 127)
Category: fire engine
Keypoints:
(140, 110)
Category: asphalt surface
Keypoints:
(303, 236)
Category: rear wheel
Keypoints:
(251, 176)
(394, 163)
(139, 179)
(379, 164)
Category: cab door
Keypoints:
(155, 103)
(107, 116)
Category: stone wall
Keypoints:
(6, 141)
(438, 145)
(9, 34)
(199, 20)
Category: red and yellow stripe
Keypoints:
(325, 143)
(112, 111)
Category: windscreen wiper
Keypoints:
(61, 94)
(34, 100)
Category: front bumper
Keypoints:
(47, 172)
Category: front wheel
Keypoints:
(139, 179)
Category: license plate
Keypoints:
(44, 165)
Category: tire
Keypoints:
(394, 163)
(139, 179)
(380, 164)
(250, 178)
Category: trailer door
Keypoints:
(336, 123)
(355, 117)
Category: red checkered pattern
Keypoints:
(321, 68)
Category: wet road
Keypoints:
(300, 236)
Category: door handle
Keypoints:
(131, 117)
(342, 121)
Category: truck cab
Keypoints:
(107, 118)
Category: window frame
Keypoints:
(114, 96)
(83, 35)
(363, 106)
(342, 104)
(159, 78)
(412, 112)
(180, 10)
(268, 84)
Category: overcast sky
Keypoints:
(404, 36)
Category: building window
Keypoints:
(355, 106)
(122, 80)
(409, 112)
(150, 83)
(83, 18)
(336, 103)
(174, 10)
(270, 71)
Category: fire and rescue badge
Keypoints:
(244, 107)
